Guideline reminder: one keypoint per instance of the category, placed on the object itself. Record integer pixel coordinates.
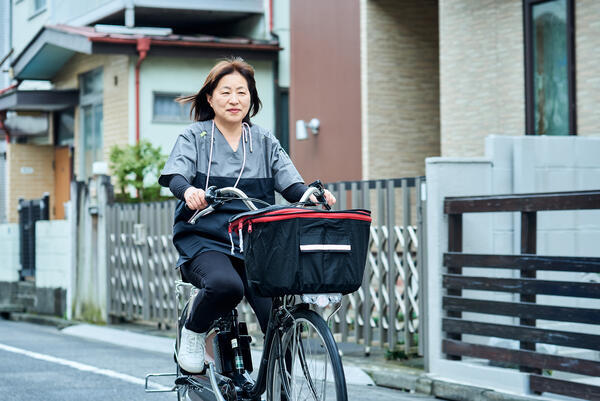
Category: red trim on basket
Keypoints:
(311, 215)
(284, 214)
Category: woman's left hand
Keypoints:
(329, 198)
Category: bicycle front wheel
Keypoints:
(304, 362)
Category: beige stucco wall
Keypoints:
(587, 58)
(115, 97)
(482, 83)
(28, 184)
(400, 65)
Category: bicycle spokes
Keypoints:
(306, 361)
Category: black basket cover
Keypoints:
(304, 251)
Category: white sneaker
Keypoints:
(192, 347)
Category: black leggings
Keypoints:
(222, 283)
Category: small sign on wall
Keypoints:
(26, 170)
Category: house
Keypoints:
(398, 81)
(506, 92)
(110, 73)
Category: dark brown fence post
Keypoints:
(528, 246)
(454, 245)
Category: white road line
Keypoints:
(82, 366)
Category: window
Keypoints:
(549, 67)
(166, 109)
(91, 111)
(64, 127)
(91, 82)
(37, 7)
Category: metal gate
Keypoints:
(30, 211)
(3, 183)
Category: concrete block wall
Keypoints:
(555, 164)
(9, 249)
(400, 106)
(22, 183)
(53, 254)
(54, 268)
(116, 73)
(548, 164)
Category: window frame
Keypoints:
(282, 119)
(91, 100)
(530, 128)
(37, 11)
(162, 120)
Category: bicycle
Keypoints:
(299, 350)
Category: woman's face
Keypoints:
(231, 98)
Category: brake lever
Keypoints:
(201, 213)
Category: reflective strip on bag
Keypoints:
(324, 247)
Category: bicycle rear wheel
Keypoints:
(312, 367)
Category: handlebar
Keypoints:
(214, 199)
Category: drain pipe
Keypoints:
(143, 45)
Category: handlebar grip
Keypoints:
(321, 197)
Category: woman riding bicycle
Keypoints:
(207, 154)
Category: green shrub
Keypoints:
(137, 166)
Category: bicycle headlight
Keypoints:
(322, 300)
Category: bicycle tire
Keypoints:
(303, 381)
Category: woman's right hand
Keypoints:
(194, 198)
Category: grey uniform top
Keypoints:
(268, 168)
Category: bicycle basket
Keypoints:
(294, 250)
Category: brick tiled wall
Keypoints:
(400, 64)
(587, 58)
(28, 186)
(482, 73)
(115, 97)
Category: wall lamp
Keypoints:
(301, 131)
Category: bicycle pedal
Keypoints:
(182, 381)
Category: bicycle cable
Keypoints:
(229, 199)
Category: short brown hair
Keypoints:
(201, 110)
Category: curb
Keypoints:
(422, 383)
(41, 319)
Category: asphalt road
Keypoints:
(43, 363)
